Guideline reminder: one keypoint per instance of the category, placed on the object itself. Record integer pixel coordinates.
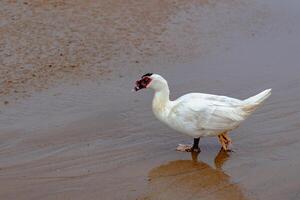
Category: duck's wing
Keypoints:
(216, 99)
(210, 114)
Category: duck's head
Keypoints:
(150, 80)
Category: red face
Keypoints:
(143, 83)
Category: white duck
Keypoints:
(198, 114)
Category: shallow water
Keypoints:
(102, 142)
(193, 179)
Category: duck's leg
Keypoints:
(224, 140)
(227, 138)
(195, 146)
(189, 148)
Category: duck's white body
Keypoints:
(198, 114)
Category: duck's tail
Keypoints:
(252, 103)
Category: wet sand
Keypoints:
(97, 140)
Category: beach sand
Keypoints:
(70, 127)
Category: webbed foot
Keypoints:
(187, 148)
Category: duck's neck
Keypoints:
(161, 102)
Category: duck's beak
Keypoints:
(137, 86)
(142, 84)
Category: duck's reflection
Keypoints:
(193, 179)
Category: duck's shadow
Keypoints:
(193, 179)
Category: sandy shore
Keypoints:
(71, 128)
(48, 43)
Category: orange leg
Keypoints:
(224, 140)
(227, 138)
